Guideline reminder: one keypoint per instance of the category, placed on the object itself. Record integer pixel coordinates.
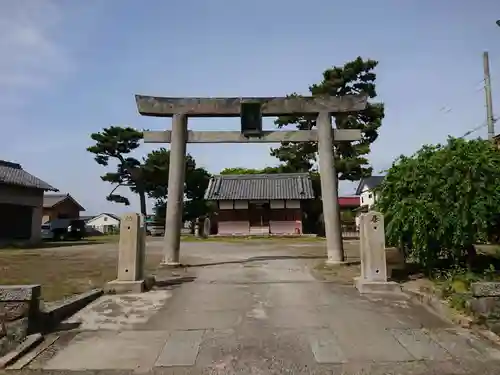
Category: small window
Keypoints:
(105, 218)
(362, 200)
(370, 196)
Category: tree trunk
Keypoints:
(142, 199)
(471, 256)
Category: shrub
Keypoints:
(442, 200)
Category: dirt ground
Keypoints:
(66, 270)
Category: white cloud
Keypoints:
(31, 57)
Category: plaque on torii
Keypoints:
(251, 110)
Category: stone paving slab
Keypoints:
(144, 350)
(270, 317)
(420, 345)
(127, 350)
(181, 349)
(198, 296)
(326, 347)
(197, 320)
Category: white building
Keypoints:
(104, 223)
(367, 195)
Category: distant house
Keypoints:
(104, 223)
(21, 201)
(368, 196)
(259, 203)
(60, 206)
(86, 218)
(496, 140)
(366, 190)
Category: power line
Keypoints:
(475, 129)
(447, 109)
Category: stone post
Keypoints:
(131, 254)
(36, 223)
(173, 219)
(373, 277)
(329, 190)
(197, 227)
(206, 227)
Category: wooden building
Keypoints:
(21, 199)
(259, 203)
(60, 206)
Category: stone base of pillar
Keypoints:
(123, 287)
(367, 287)
(331, 262)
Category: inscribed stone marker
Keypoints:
(373, 277)
(131, 253)
(373, 267)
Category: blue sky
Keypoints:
(70, 68)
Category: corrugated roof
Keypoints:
(260, 186)
(14, 174)
(349, 201)
(370, 182)
(50, 200)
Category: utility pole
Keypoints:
(487, 91)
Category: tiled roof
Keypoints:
(14, 174)
(260, 186)
(370, 182)
(50, 200)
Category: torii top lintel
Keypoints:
(231, 107)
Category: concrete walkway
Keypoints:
(257, 311)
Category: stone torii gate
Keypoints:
(251, 111)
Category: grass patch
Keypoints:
(106, 238)
(452, 282)
(62, 273)
(93, 240)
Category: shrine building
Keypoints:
(260, 204)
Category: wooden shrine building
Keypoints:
(259, 204)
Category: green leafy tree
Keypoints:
(116, 143)
(147, 177)
(354, 77)
(156, 168)
(266, 170)
(442, 200)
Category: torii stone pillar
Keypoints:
(175, 199)
(329, 191)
